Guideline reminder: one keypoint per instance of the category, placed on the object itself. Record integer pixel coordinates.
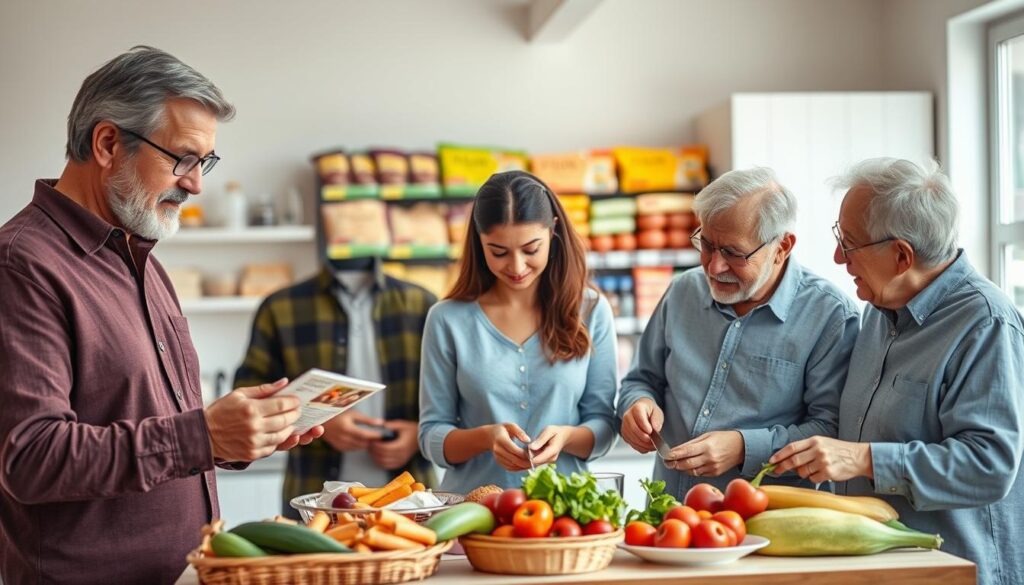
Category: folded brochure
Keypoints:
(325, 395)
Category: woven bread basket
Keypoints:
(541, 556)
(320, 569)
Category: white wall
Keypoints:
(314, 74)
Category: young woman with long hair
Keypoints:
(521, 353)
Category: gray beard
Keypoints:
(745, 292)
(128, 201)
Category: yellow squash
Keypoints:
(780, 496)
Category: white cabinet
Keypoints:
(808, 138)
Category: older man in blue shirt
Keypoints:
(744, 354)
(932, 414)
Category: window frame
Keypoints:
(1002, 235)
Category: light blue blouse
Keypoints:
(937, 389)
(774, 375)
(473, 375)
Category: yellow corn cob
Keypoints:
(781, 496)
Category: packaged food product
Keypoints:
(465, 168)
(363, 172)
(600, 175)
(692, 169)
(187, 282)
(423, 168)
(646, 169)
(648, 203)
(356, 222)
(649, 285)
(564, 173)
(626, 242)
(651, 221)
(575, 202)
(602, 243)
(332, 167)
(676, 239)
(392, 166)
(612, 225)
(458, 223)
(423, 224)
(615, 207)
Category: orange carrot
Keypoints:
(405, 479)
(379, 539)
(399, 493)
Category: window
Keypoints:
(1006, 119)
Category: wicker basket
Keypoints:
(307, 505)
(541, 556)
(320, 569)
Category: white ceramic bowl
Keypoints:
(698, 556)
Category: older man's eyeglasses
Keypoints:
(183, 165)
(838, 233)
(731, 257)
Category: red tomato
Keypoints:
(598, 527)
(704, 496)
(507, 531)
(732, 520)
(684, 513)
(491, 501)
(565, 526)
(704, 514)
(533, 519)
(507, 504)
(640, 533)
(711, 534)
(745, 499)
(672, 534)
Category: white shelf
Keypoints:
(621, 259)
(220, 305)
(250, 235)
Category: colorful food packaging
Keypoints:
(464, 169)
(564, 173)
(332, 167)
(600, 175)
(361, 222)
(392, 166)
(423, 168)
(363, 170)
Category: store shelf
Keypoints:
(220, 305)
(621, 259)
(250, 235)
(595, 261)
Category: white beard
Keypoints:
(745, 292)
(128, 201)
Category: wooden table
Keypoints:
(896, 568)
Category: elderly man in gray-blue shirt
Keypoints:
(932, 414)
(744, 354)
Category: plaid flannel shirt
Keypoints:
(304, 326)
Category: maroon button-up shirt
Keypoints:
(105, 458)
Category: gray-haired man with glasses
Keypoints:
(744, 354)
(102, 424)
(932, 414)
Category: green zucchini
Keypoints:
(460, 519)
(226, 544)
(799, 532)
(288, 538)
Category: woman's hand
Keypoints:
(550, 443)
(506, 452)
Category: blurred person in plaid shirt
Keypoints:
(353, 319)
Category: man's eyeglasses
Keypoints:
(838, 233)
(731, 257)
(183, 165)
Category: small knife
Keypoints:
(660, 445)
(529, 456)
